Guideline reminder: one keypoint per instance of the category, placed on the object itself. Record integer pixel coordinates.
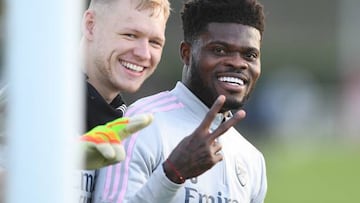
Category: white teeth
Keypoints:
(232, 80)
(132, 66)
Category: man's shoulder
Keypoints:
(242, 142)
(153, 103)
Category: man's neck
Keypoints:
(105, 93)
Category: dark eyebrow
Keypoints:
(230, 46)
(252, 49)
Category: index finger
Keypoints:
(135, 124)
(228, 124)
(214, 110)
(125, 126)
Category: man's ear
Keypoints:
(88, 24)
(185, 51)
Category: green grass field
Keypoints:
(313, 171)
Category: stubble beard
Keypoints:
(208, 94)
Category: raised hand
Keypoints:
(102, 146)
(198, 152)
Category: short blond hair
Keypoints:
(157, 6)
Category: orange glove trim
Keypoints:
(110, 125)
(101, 137)
(95, 140)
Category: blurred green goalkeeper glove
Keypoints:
(102, 145)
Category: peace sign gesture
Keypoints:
(198, 152)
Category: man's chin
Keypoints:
(130, 88)
(233, 104)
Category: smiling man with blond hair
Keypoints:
(121, 46)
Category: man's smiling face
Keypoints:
(224, 60)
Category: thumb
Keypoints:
(106, 150)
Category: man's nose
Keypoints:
(142, 50)
(237, 61)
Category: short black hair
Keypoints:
(197, 14)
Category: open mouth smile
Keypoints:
(233, 80)
(132, 67)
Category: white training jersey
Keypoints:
(239, 178)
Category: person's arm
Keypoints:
(140, 178)
(198, 152)
(146, 183)
(102, 146)
(261, 185)
(137, 180)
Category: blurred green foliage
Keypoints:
(313, 171)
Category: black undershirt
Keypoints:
(98, 111)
